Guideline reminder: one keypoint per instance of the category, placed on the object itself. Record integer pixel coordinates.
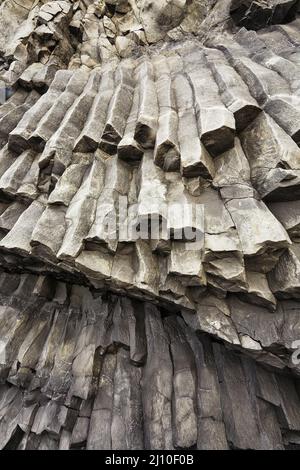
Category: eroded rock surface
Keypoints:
(149, 224)
(260, 13)
(83, 370)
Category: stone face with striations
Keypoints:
(149, 224)
(258, 14)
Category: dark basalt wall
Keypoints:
(259, 14)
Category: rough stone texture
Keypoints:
(178, 338)
(70, 377)
(260, 13)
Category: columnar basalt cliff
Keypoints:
(114, 335)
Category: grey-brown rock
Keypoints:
(149, 224)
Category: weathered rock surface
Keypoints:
(76, 374)
(260, 13)
(149, 224)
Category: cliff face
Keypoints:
(149, 224)
(83, 371)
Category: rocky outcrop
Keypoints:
(83, 151)
(149, 227)
(261, 13)
(81, 370)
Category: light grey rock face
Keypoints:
(160, 17)
(284, 279)
(272, 170)
(288, 214)
(149, 223)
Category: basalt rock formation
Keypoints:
(259, 14)
(114, 335)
